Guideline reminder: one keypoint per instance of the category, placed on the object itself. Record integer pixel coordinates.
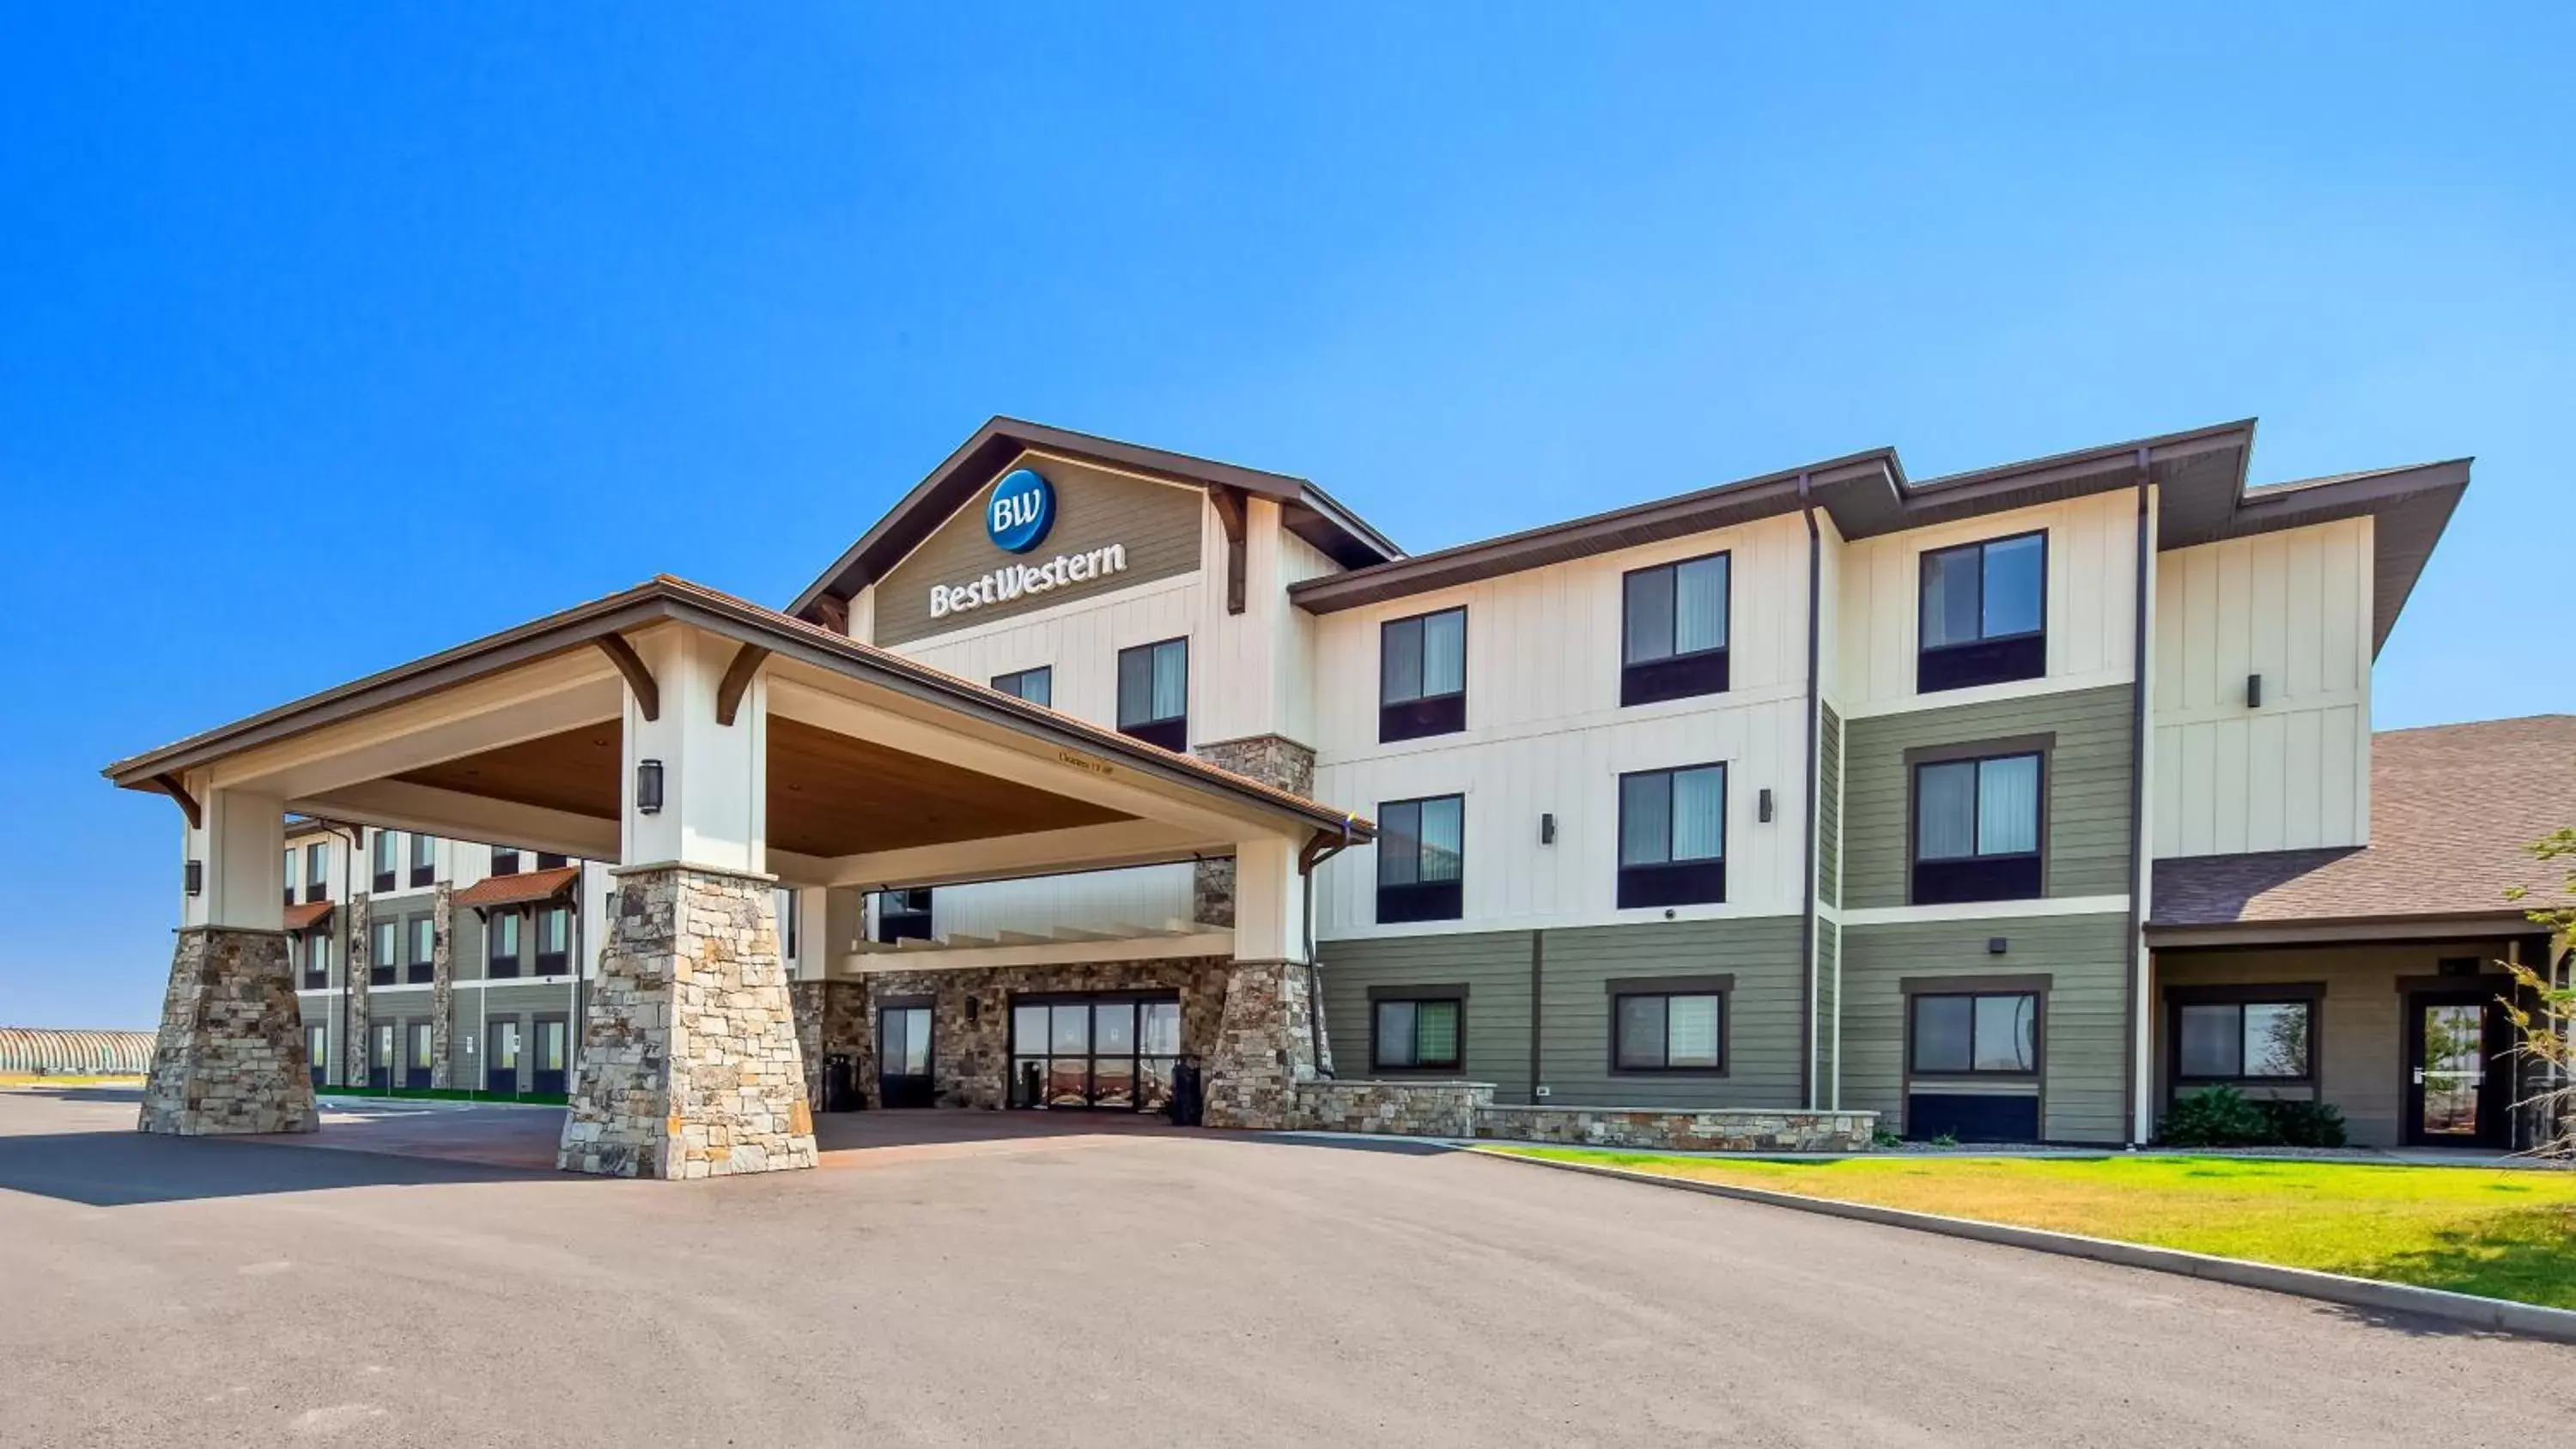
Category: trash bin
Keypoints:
(1189, 1100)
(840, 1083)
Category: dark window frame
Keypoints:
(1404, 902)
(1986, 659)
(505, 860)
(424, 859)
(1654, 885)
(496, 965)
(380, 862)
(912, 923)
(2310, 994)
(1172, 732)
(1623, 989)
(1684, 673)
(1449, 994)
(1015, 684)
(317, 872)
(420, 967)
(316, 980)
(382, 967)
(1973, 990)
(1957, 880)
(550, 963)
(1425, 714)
(552, 860)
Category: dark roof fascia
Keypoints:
(2335, 930)
(994, 445)
(2413, 506)
(677, 600)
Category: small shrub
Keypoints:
(1881, 1137)
(2305, 1124)
(2216, 1117)
(1945, 1140)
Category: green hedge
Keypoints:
(444, 1094)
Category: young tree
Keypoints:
(2545, 1019)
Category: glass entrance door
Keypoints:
(380, 1062)
(554, 1039)
(904, 1076)
(2453, 1090)
(1110, 1052)
(501, 1061)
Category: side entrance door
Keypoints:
(2457, 1070)
(903, 1055)
(501, 1063)
(554, 1037)
(380, 1062)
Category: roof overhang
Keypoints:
(2346, 930)
(665, 600)
(1308, 511)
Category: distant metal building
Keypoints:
(56, 1053)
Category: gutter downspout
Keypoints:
(1807, 1064)
(2135, 967)
(348, 892)
(1307, 860)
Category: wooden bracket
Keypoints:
(188, 805)
(737, 681)
(648, 695)
(1322, 846)
(834, 611)
(1230, 510)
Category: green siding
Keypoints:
(2084, 1051)
(1493, 965)
(1829, 808)
(1828, 1002)
(1763, 1013)
(2088, 788)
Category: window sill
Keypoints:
(1965, 1079)
(1668, 1074)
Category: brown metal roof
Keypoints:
(1308, 511)
(2451, 808)
(518, 890)
(662, 598)
(308, 915)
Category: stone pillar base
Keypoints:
(1265, 1046)
(689, 1064)
(230, 1057)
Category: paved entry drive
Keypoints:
(990, 1279)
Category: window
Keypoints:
(317, 872)
(903, 915)
(1418, 1033)
(505, 860)
(381, 965)
(554, 940)
(1985, 613)
(1977, 829)
(1037, 686)
(1976, 1033)
(380, 861)
(1420, 858)
(1154, 693)
(1422, 676)
(551, 860)
(788, 949)
(317, 1053)
(1672, 837)
(1680, 1029)
(1673, 631)
(503, 957)
(416, 1073)
(317, 961)
(424, 858)
(2243, 1041)
(424, 949)
(288, 875)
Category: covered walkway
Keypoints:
(717, 751)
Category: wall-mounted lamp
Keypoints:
(2253, 691)
(1765, 805)
(196, 877)
(1997, 945)
(648, 787)
(1547, 829)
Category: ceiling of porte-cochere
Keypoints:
(829, 794)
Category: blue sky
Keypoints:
(331, 336)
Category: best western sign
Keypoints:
(1016, 518)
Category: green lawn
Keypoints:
(2504, 1234)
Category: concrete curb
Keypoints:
(2494, 1314)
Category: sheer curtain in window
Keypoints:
(2008, 806)
(1650, 615)
(1442, 839)
(1945, 811)
(1645, 819)
(1171, 681)
(1699, 814)
(1699, 605)
(1444, 654)
(1950, 585)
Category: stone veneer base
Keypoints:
(690, 1064)
(1466, 1111)
(230, 1055)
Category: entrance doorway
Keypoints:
(904, 1076)
(501, 1061)
(380, 1062)
(1109, 1051)
(554, 1036)
(2456, 1077)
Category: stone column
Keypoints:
(230, 1057)
(442, 984)
(1274, 760)
(689, 1064)
(1263, 1047)
(356, 964)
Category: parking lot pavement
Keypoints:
(1017, 1282)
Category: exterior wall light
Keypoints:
(1997, 945)
(196, 877)
(2253, 691)
(1547, 829)
(1766, 805)
(648, 787)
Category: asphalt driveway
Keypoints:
(1118, 1288)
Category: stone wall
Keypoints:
(1403, 1109)
(1265, 1046)
(1274, 760)
(1733, 1129)
(689, 1064)
(971, 1015)
(354, 967)
(230, 1054)
(831, 1016)
(442, 983)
